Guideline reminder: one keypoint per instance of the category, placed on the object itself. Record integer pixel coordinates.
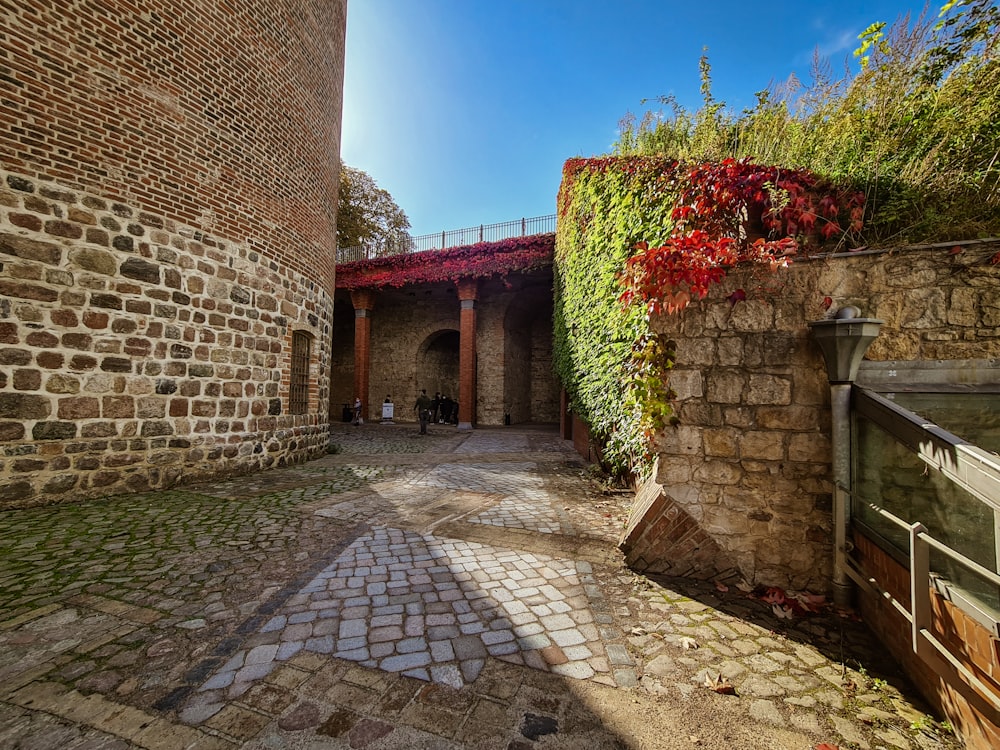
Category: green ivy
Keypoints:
(605, 355)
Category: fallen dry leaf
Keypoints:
(720, 586)
(827, 746)
(687, 642)
(720, 685)
(781, 613)
(809, 602)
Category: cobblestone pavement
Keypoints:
(440, 591)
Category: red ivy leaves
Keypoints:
(470, 261)
(733, 212)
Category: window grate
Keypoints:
(298, 396)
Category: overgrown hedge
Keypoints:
(606, 206)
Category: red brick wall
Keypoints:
(581, 438)
(662, 537)
(168, 184)
(219, 115)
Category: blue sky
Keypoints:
(465, 110)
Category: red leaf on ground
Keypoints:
(774, 596)
(955, 250)
(827, 746)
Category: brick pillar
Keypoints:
(565, 419)
(468, 294)
(363, 301)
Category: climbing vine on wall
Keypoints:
(642, 236)
(606, 206)
(470, 261)
(737, 212)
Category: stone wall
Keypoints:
(415, 339)
(545, 390)
(749, 463)
(166, 224)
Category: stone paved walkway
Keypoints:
(440, 591)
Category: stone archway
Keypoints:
(437, 363)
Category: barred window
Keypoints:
(298, 395)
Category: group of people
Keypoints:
(444, 410)
(440, 410)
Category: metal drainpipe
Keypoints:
(840, 406)
(844, 339)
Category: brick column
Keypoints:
(468, 294)
(363, 301)
(565, 419)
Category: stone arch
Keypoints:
(437, 362)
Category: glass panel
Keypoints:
(889, 475)
(974, 417)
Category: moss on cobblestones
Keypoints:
(123, 547)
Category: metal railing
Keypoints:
(920, 614)
(453, 238)
(976, 472)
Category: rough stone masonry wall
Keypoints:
(167, 221)
(406, 322)
(745, 475)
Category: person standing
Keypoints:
(423, 408)
(357, 410)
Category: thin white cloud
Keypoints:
(832, 44)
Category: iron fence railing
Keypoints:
(454, 238)
(976, 472)
(920, 613)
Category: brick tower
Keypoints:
(168, 184)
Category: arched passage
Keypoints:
(437, 363)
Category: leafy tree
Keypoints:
(367, 215)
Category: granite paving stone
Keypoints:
(402, 591)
